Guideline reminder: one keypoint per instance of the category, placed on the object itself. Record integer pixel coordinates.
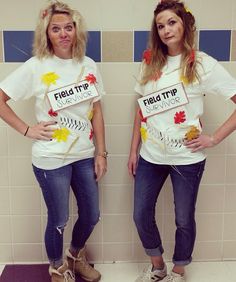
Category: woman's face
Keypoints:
(170, 29)
(62, 34)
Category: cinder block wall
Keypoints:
(118, 32)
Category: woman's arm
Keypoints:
(136, 138)
(9, 116)
(99, 134)
(206, 141)
(40, 131)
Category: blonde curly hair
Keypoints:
(42, 46)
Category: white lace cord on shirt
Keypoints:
(163, 139)
(156, 140)
(45, 95)
(70, 147)
(77, 125)
(174, 142)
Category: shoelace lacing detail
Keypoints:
(148, 274)
(170, 278)
(83, 261)
(68, 275)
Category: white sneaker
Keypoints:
(149, 275)
(174, 277)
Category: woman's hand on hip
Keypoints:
(200, 143)
(42, 130)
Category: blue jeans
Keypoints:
(185, 180)
(55, 185)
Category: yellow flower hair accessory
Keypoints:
(61, 134)
(44, 14)
(187, 10)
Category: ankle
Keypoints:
(178, 270)
(56, 264)
(76, 252)
(160, 266)
(157, 262)
(73, 253)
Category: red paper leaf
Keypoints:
(147, 56)
(141, 116)
(91, 78)
(52, 113)
(191, 58)
(91, 135)
(179, 117)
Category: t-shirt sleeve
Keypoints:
(99, 85)
(19, 84)
(219, 81)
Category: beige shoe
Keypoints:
(80, 266)
(62, 274)
(174, 277)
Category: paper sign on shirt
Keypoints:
(163, 100)
(72, 94)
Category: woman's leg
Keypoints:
(55, 185)
(85, 189)
(186, 180)
(149, 180)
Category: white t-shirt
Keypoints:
(163, 134)
(72, 139)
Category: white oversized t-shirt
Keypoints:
(72, 138)
(163, 134)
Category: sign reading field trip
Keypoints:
(72, 94)
(163, 100)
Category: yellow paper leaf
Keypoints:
(49, 78)
(192, 133)
(61, 134)
(144, 134)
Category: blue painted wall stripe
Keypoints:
(18, 44)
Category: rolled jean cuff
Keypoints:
(56, 263)
(157, 252)
(182, 262)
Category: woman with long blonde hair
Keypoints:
(173, 80)
(67, 88)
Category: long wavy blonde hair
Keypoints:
(42, 46)
(159, 51)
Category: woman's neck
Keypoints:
(175, 51)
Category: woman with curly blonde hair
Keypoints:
(42, 46)
(67, 88)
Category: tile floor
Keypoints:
(196, 271)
